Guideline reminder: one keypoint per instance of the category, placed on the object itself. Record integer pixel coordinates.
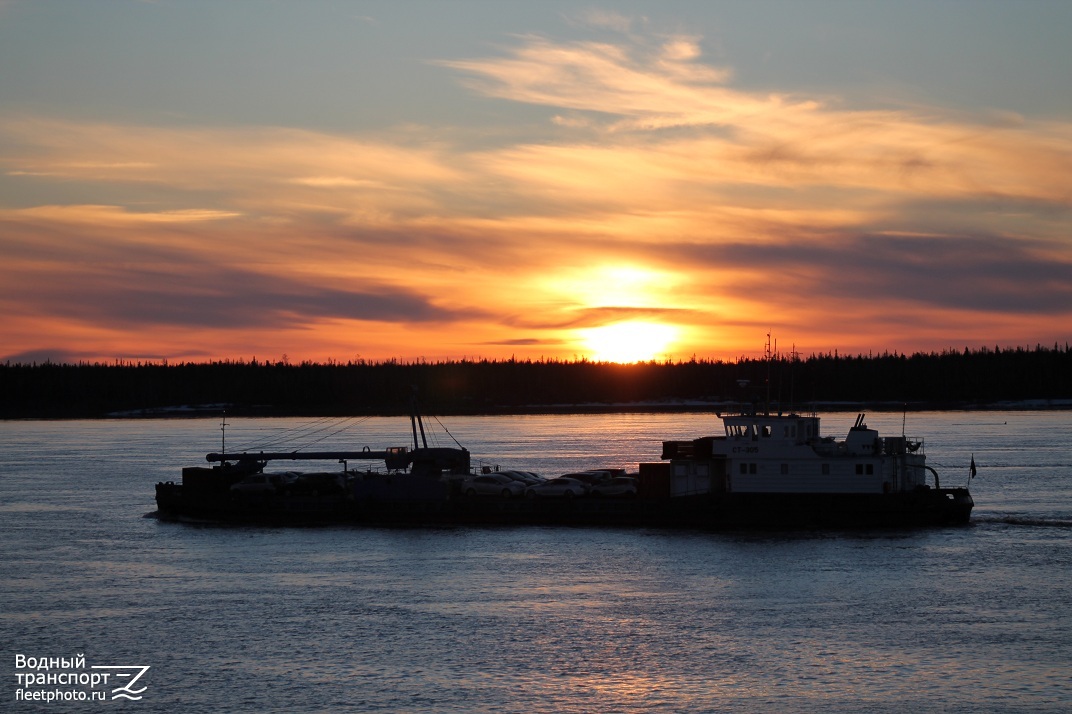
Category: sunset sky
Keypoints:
(337, 180)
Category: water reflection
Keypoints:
(543, 619)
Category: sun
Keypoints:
(627, 342)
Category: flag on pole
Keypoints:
(972, 468)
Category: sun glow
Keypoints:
(628, 341)
(611, 285)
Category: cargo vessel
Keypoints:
(760, 470)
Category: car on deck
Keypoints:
(492, 485)
(617, 486)
(563, 487)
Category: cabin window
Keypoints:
(751, 468)
(785, 469)
(870, 469)
(768, 431)
(859, 469)
(744, 468)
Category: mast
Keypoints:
(769, 359)
(223, 433)
(415, 422)
(793, 357)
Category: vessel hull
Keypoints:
(925, 507)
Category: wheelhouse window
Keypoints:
(738, 431)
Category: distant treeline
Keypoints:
(947, 379)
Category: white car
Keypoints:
(492, 485)
(593, 478)
(617, 486)
(525, 478)
(260, 483)
(562, 486)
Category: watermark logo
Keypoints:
(122, 672)
(68, 679)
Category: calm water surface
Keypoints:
(536, 619)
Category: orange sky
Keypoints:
(641, 205)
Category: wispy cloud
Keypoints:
(613, 79)
(770, 141)
(986, 274)
(260, 168)
(116, 215)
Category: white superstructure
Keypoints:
(767, 453)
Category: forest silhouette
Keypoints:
(978, 378)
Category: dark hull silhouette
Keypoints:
(407, 502)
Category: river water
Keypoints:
(529, 619)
